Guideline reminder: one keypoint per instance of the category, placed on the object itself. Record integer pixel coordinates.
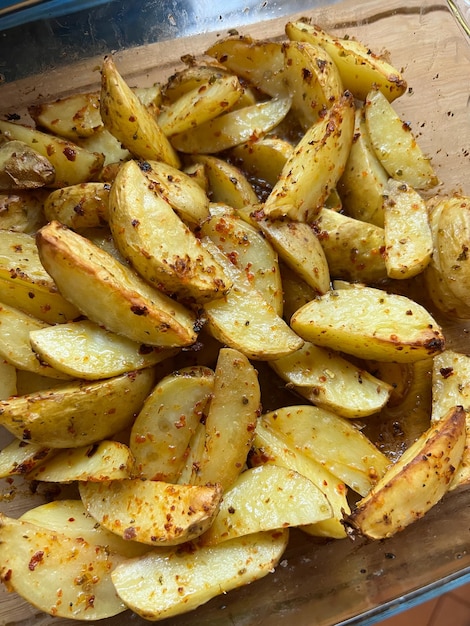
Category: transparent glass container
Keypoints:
(44, 55)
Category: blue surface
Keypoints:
(43, 10)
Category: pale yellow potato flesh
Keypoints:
(77, 413)
(110, 293)
(370, 323)
(62, 575)
(226, 182)
(8, 381)
(19, 457)
(416, 482)
(26, 285)
(171, 413)
(264, 158)
(269, 447)
(395, 144)
(79, 206)
(150, 511)
(360, 69)
(105, 460)
(192, 577)
(333, 441)
(72, 163)
(125, 117)
(264, 498)
(169, 256)
(330, 381)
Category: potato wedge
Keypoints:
(264, 498)
(233, 128)
(370, 323)
(22, 211)
(408, 236)
(227, 184)
(112, 150)
(77, 413)
(72, 164)
(72, 117)
(26, 285)
(170, 415)
(191, 577)
(201, 104)
(395, 144)
(86, 350)
(110, 293)
(180, 190)
(79, 206)
(297, 246)
(353, 249)
(332, 441)
(451, 387)
(259, 62)
(231, 419)
(360, 69)
(364, 180)
(151, 512)
(62, 575)
(15, 346)
(246, 247)
(71, 518)
(129, 120)
(296, 291)
(264, 158)
(20, 457)
(330, 381)
(316, 165)
(416, 482)
(106, 460)
(243, 320)
(268, 447)
(313, 78)
(8, 379)
(177, 263)
(21, 167)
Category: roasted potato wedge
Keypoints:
(20, 457)
(21, 167)
(227, 184)
(370, 323)
(193, 576)
(72, 164)
(22, 211)
(79, 206)
(8, 379)
(178, 264)
(315, 166)
(332, 441)
(110, 293)
(77, 413)
(59, 574)
(264, 158)
(416, 482)
(150, 511)
(162, 430)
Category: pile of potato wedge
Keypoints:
(215, 295)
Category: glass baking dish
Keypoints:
(317, 583)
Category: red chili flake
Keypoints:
(36, 559)
(129, 533)
(70, 154)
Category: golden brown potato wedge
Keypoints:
(231, 419)
(416, 482)
(395, 144)
(26, 285)
(264, 498)
(21, 167)
(150, 511)
(169, 418)
(106, 460)
(227, 184)
(62, 575)
(72, 164)
(209, 572)
(360, 69)
(315, 166)
(110, 293)
(79, 206)
(77, 413)
(264, 158)
(334, 442)
(129, 120)
(370, 323)
(86, 350)
(177, 264)
(20, 457)
(330, 381)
